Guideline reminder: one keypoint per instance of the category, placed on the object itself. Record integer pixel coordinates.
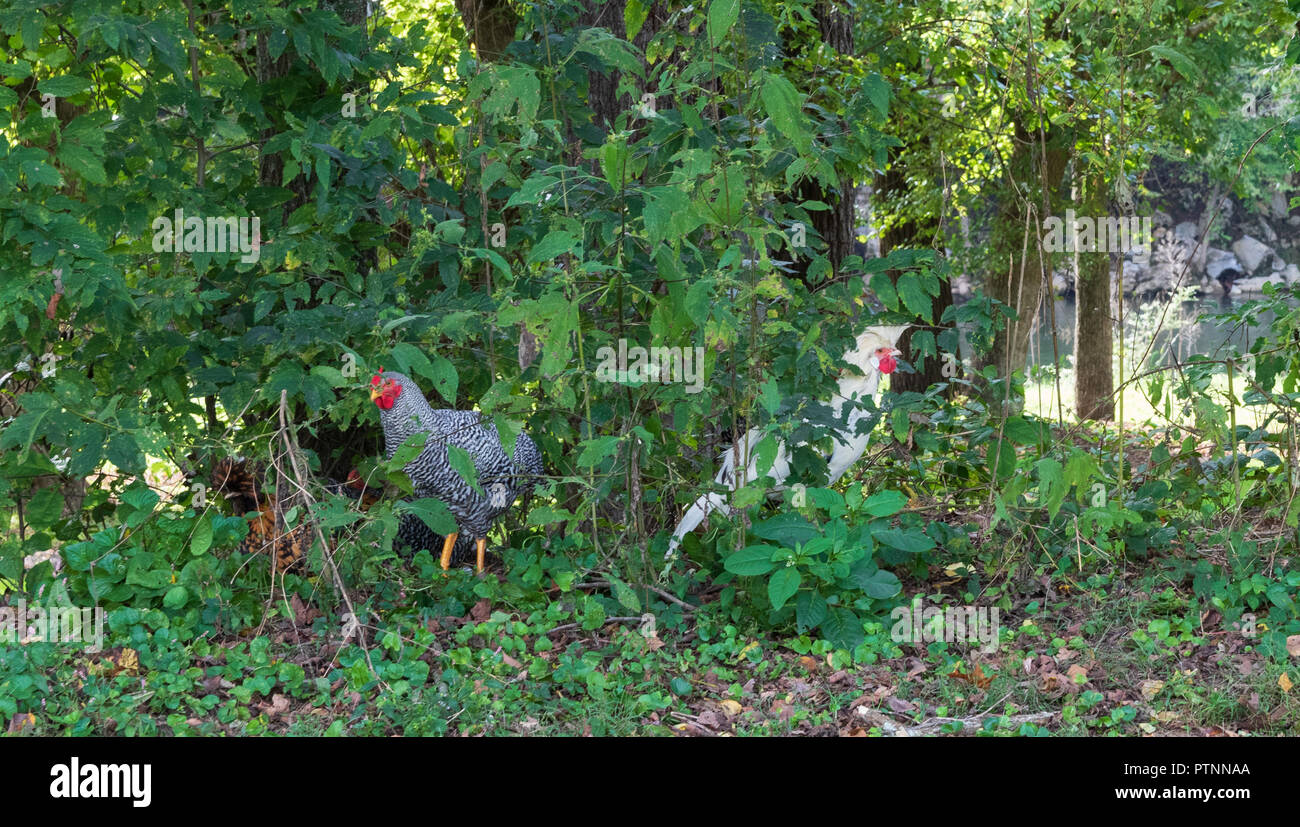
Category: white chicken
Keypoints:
(874, 355)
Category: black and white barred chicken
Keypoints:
(404, 411)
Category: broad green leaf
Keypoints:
(877, 91)
(913, 296)
(783, 104)
(201, 539)
(884, 290)
(1184, 65)
(44, 509)
(432, 511)
(881, 585)
(789, 529)
(885, 503)
(64, 86)
(409, 449)
(597, 450)
(634, 15)
(842, 628)
(463, 464)
(905, 539)
(176, 597)
(750, 561)
(81, 161)
(722, 16)
(782, 585)
(555, 244)
(1051, 486)
(624, 594)
(810, 610)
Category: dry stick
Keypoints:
(567, 626)
(669, 596)
(329, 554)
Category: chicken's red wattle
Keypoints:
(887, 364)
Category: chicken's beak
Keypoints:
(375, 393)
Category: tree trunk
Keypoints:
(917, 234)
(834, 226)
(1094, 383)
(1018, 265)
(491, 25)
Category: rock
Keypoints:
(1186, 230)
(1216, 261)
(1292, 274)
(1294, 221)
(1279, 204)
(1250, 252)
(1266, 230)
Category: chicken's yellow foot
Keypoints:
(447, 545)
(481, 544)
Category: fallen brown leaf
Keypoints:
(1150, 689)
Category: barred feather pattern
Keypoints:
(501, 478)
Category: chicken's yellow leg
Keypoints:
(447, 545)
(481, 543)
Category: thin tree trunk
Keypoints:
(1094, 383)
(1018, 266)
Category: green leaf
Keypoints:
(39, 172)
(885, 503)
(1003, 452)
(842, 628)
(911, 540)
(555, 244)
(624, 594)
(787, 529)
(810, 610)
(877, 91)
(81, 161)
(547, 514)
(201, 539)
(64, 86)
(463, 464)
(782, 585)
(884, 290)
(722, 16)
(783, 104)
(596, 450)
(124, 453)
(409, 449)
(445, 380)
(44, 509)
(634, 15)
(1051, 486)
(699, 301)
(1080, 468)
(1023, 432)
(750, 561)
(913, 296)
(176, 598)
(432, 511)
(1184, 65)
(880, 585)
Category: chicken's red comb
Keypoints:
(374, 380)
